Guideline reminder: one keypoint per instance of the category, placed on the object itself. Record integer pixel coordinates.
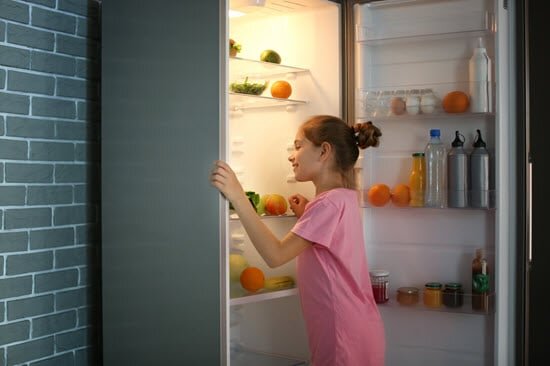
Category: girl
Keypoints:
(342, 320)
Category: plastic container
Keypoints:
(407, 296)
(433, 295)
(480, 80)
(435, 155)
(479, 173)
(457, 173)
(380, 285)
(453, 295)
(417, 178)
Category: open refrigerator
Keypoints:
(398, 47)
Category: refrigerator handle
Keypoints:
(529, 209)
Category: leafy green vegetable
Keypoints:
(248, 88)
(253, 197)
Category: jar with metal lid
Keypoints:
(432, 294)
(453, 296)
(380, 285)
(407, 296)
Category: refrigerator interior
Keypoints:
(400, 46)
(267, 327)
(403, 47)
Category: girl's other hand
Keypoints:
(225, 180)
(297, 204)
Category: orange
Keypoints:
(378, 194)
(456, 102)
(281, 89)
(252, 279)
(400, 195)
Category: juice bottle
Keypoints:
(417, 178)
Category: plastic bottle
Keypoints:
(480, 281)
(435, 155)
(479, 173)
(480, 80)
(457, 173)
(417, 177)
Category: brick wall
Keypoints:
(49, 186)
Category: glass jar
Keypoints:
(432, 294)
(453, 296)
(407, 296)
(380, 285)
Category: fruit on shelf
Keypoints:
(270, 56)
(248, 88)
(456, 102)
(400, 195)
(252, 279)
(237, 264)
(281, 89)
(279, 283)
(274, 204)
(379, 194)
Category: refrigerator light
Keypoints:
(235, 13)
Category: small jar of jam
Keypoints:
(380, 285)
(407, 296)
(453, 296)
(432, 294)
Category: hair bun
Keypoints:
(367, 134)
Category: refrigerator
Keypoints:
(168, 112)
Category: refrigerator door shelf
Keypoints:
(260, 69)
(247, 298)
(234, 216)
(245, 101)
(465, 308)
(419, 28)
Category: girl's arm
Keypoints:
(275, 252)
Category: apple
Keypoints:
(237, 264)
(275, 204)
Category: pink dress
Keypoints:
(343, 323)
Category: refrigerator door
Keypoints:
(418, 51)
(162, 103)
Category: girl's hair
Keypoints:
(345, 140)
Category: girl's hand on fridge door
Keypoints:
(225, 180)
(297, 204)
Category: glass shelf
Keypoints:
(239, 101)
(240, 296)
(261, 69)
(241, 356)
(234, 216)
(439, 115)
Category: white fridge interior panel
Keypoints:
(432, 338)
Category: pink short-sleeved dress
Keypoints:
(343, 323)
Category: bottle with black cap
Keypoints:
(457, 173)
(479, 173)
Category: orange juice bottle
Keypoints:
(417, 179)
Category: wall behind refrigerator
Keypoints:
(49, 191)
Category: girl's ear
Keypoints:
(326, 149)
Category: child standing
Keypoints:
(342, 320)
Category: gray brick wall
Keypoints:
(49, 188)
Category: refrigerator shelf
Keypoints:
(246, 101)
(234, 216)
(247, 298)
(261, 69)
(245, 357)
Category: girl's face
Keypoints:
(305, 158)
